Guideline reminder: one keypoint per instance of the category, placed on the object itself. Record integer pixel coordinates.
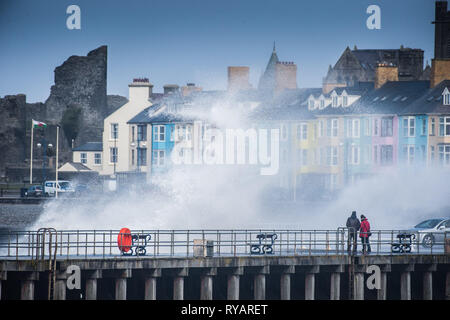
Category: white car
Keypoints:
(428, 233)
(63, 186)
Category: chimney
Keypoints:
(238, 78)
(385, 72)
(189, 88)
(140, 90)
(285, 76)
(171, 88)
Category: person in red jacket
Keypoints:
(364, 234)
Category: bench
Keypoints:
(405, 240)
(265, 243)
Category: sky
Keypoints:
(180, 41)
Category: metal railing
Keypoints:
(73, 244)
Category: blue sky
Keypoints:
(195, 40)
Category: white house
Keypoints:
(116, 132)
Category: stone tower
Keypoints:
(440, 65)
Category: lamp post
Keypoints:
(45, 148)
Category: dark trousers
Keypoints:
(352, 239)
(365, 244)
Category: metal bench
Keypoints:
(265, 245)
(405, 241)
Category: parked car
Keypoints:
(34, 191)
(430, 232)
(63, 186)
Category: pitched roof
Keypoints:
(430, 102)
(74, 167)
(90, 146)
(392, 98)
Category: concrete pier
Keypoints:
(3, 277)
(206, 285)
(262, 270)
(233, 283)
(150, 284)
(91, 284)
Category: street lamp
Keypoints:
(46, 148)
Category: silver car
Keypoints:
(431, 232)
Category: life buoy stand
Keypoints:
(124, 240)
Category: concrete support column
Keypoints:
(178, 283)
(285, 283)
(335, 286)
(335, 282)
(150, 283)
(359, 286)
(447, 286)
(91, 283)
(405, 285)
(206, 285)
(121, 283)
(259, 283)
(382, 292)
(3, 277)
(233, 283)
(310, 282)
(428, 285)
(27, 285)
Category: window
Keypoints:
(444, 126)
(142, 132)
(142, 156)
(409, 126)
(283, 132)
(386, 154)
(311, 104)
(97, 158)
(304, 131)
(114, 131)
(332, 127)
(132, 133)
(322, 103)
(424, 126)
(353, 128)
(321, 128)
(332, 156)
(444, 154)
(83, 157)
(375, 127)
(433, 126)
(367, 127)
(114, 153)
(159, 133)
(344, 101)
(424, 154)
(158, 158)
(375, 154)
(132, 157)
(432, 152)
(355, 153)
(409, 153)
(335, 101)
(387, 127)
(446, 97)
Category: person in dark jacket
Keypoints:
(364, 234)
(353, 226)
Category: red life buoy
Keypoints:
(124, 240)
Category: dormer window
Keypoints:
(322, 103)
(446, 97)
(311, 104)
(335, 101)
(344, 101)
